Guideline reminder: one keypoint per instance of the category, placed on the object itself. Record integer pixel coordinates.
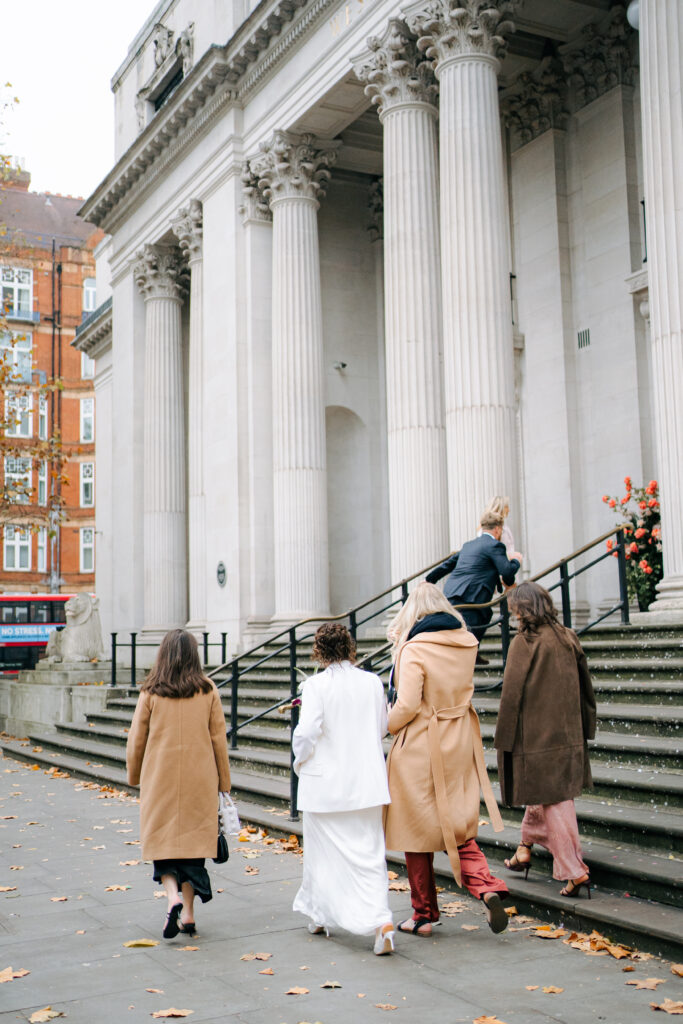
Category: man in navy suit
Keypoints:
(476, 572)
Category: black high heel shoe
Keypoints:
(572, 889)
(171, 928)
(516, 864)
(187, 928)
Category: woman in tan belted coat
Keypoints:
(436, 762)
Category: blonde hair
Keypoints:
(498, 505)
(425, 599)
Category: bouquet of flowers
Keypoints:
(639, 512)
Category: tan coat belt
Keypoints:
(439, 777)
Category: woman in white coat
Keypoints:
(343, 788)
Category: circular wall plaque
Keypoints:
(221, 574)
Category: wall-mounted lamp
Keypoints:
(338, 366)
(633, 14)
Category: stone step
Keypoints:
(615, 668)
(643, 924)
(643, 719)
(620, 749)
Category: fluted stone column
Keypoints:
(464, 38)
(661, 78)
(188, 230)
(400, 82)
(292, 172)
(158, 273)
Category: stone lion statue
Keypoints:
(81, 638)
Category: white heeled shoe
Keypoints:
(384, 940)
(318, 929)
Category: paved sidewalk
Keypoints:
(69, 841)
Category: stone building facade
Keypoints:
(372, 264)
(47, 281)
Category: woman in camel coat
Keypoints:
(547, 713)
(436, 762)
(177, 752)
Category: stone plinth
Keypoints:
(39, 698)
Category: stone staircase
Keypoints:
(631, 823)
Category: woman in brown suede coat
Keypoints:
(546, 715)
(177, 752)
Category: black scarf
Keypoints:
(434, 623)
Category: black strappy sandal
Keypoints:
(415, 927)
(171, 928)
(187, 928)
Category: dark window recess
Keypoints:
(584, 338)
(166, 91)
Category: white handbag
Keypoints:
(228, 818)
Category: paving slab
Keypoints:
(74, 947)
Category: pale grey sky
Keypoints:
(60, 58)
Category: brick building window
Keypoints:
(15, 350)
(19, 415)
(87, 548)
(87, 419)
(87, 484)
(42, 418)
(17, 291)
(42, 550)
(18, 480)
(87, 366)
(17, 548)
(89, 295)
(42, 483)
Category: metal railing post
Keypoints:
(206, 649)
(113, 659)
(505, 629)
(293, 722)
(564, 589)
(224, 648)
(233, 704)
(404, 591)
(623, 582)
(353, 624)
(132, 659)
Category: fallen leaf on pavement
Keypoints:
(267, 970)
(9, 817)
(511, 911)
(140, 943)
(531, 988)
(546, 931)
(251, 870)
(453, 908)
(628, 968)
(385, 1006)
(81, 931)
(128, 863)
(188, 949)
(360, 995)
(58, 899)
(390, 874)
(158, 991)
(330, 984)
(8, 974)
(646, 982)
(16, 867)
(470, 927)
(296, 990)
(171, 1012)
(116, 888)
(552, 990)
(488, 1020)
(256, 956)
(677, 969)
(8, 888)
(668, 1006)
(399, 886)
(40, 1016)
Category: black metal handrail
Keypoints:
(380, 658)
(134, 645)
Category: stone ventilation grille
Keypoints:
(584, 338)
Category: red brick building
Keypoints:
(47, 281)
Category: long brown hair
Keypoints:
(533, 606)
(177, 671)
(333, 643)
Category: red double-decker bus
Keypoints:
(26, 621)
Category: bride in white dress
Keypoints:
(343, 787)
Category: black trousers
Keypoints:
(477, 619)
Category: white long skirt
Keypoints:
(345, 881)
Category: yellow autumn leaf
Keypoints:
(140, 943)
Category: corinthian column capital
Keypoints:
(188, 228)
(394, 70)
(603, 56)
(254, 205)
(158, 272)
(294, 166)
(537, 101)
(449, 29)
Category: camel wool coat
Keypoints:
(436, 762)
(546, 714)
(178, 754)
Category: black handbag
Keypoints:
(222, 851)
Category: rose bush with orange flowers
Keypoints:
(639, 512)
